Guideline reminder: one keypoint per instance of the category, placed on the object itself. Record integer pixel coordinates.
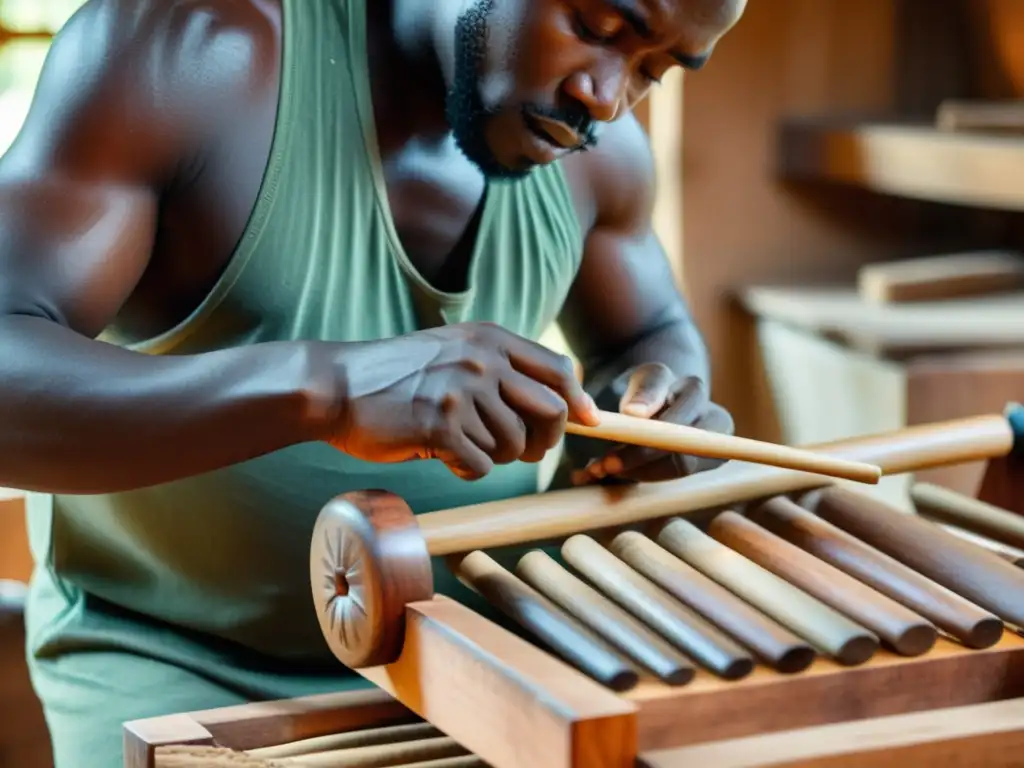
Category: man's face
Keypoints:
(533, 78)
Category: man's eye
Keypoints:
(585, 33)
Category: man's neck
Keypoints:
(406, 74)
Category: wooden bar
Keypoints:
(822, 626)
(561, 513)
(953, 614)
(773, 643)
(486, 687)
(601, 615)
(567, 636)
(913, 161)
(901, 628)
(682, 627)
(968, 570)
(943, 505)
(990, 734)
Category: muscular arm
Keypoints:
(624, 309)
(121, 103)
(627, 322)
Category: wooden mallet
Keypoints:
(677, 438)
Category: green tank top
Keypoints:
(225, 555)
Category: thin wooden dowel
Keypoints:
(563, 634)
(821, 625)
(681, 626)
(953, 614)
(773, 643)
(965, 568)
(946, 506)
(463, 761)
(195, 756)
(606, 618)
(665, 436)
(349, 740)
(378, 755)
(902, 629)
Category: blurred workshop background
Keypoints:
(840, 195)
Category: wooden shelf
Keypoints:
(913, 161)
(838, 313)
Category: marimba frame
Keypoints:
(515, 704)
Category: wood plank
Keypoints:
(487, 688)
(838, 312)
(942, 277)
(262, 724)
(990, 734)
(913, 161)
(766, 702)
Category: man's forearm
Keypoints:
(79, 416)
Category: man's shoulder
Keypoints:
(129, 86)
(618, 173)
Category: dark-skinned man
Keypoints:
(257, 253)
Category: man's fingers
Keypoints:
(634, 462)
(465, 459)
(556, 372)
(543, 411)
(648, 390)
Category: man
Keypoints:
(257, 253)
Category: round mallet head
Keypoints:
(367, 561)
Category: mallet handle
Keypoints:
(678, 438)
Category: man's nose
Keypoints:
(603, 93)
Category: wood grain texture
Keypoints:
(681, 626)
(990, 734)
(618, 627)
(943, 505)
(822, 626)
(942, 277)
(367, 561)
(903, 630)
(679, 438)
(566, 636)
(486, 687)
(365, 737)
(968, 570)
(769, 640)
(561, 513)
(960, 618)
(913, 161)
(765, 702)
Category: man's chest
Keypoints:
(436, 198)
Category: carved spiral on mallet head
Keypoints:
(367, 561)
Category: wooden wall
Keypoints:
(738, 222)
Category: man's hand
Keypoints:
(472, 395)
(654, 392)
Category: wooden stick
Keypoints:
(364, 737)
(559, 514)
(678, 438)
(563, 634)
(904, 631)
(772, 642)
(826, 628)
(946, 506)
(952, 613)
(965, 568)
(679, 625)
(614, 624)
